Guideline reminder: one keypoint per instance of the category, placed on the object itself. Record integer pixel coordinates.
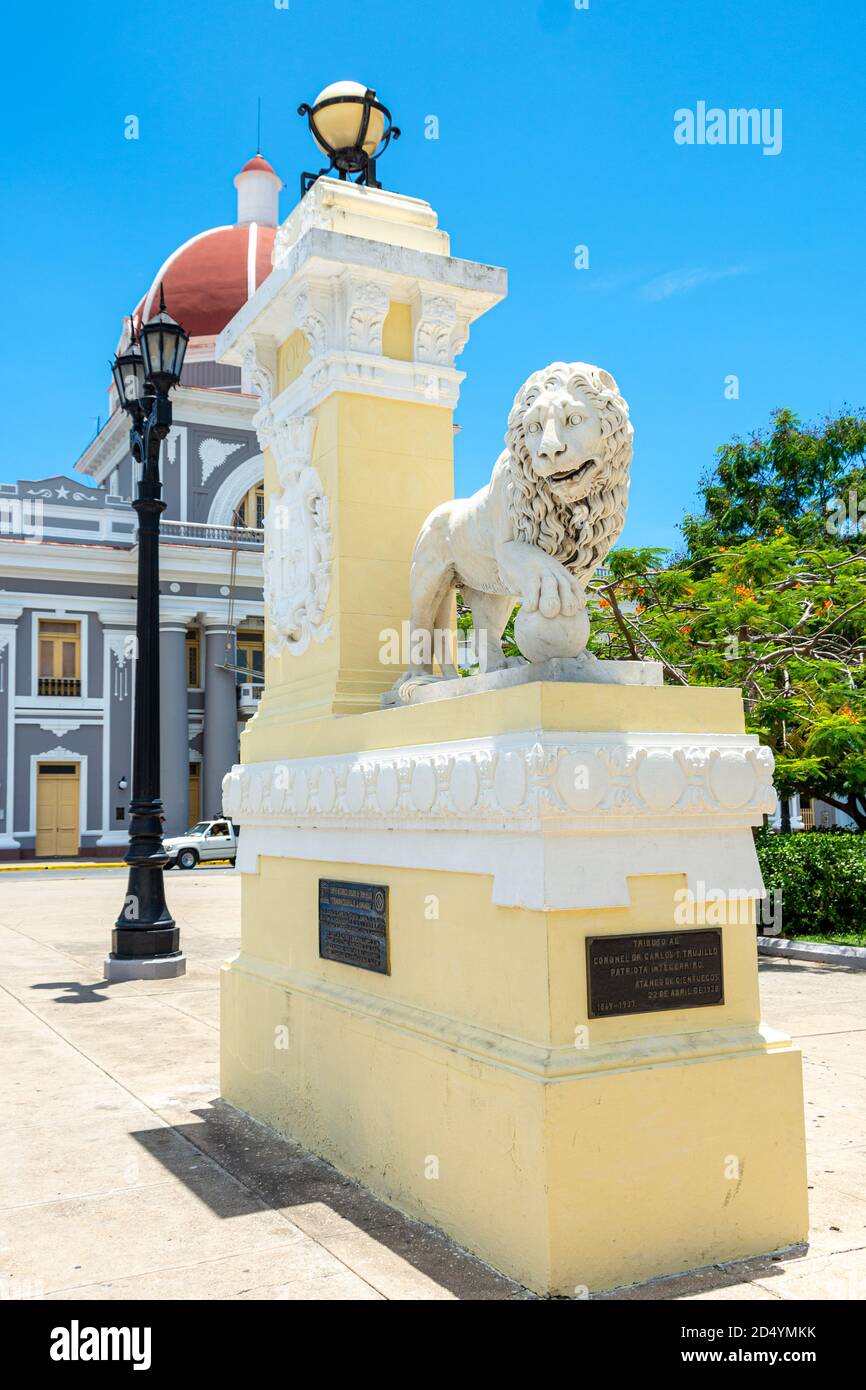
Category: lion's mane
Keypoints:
(579, 535)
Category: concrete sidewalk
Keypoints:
(123, 1176)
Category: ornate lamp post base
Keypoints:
(147, 968)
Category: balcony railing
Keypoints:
(206, 533)
(59, 685)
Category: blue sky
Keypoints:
(556, 130)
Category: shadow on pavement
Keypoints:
(324, 1205)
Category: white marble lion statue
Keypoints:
(554, 506)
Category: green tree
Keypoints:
(769, 595)
(805, 479)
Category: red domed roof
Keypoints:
(210, 277)
(259, 165)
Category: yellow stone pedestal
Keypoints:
(470, 1087)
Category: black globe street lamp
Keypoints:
(352, 128)
(145, 943)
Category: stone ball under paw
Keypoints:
(541, 638)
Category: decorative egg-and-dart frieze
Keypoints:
(510, 783)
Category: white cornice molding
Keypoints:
(383, 377)
(324, 255)
(196, 405)
(121, 612)
(190, 564)
(338, 290)
(528, 808)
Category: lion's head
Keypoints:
(570, 445)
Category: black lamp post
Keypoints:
(145, 943)
(352, 128)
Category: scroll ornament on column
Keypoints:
(297, 542)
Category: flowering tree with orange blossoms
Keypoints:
(770, 597)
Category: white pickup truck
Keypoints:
(209, 839)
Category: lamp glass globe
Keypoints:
(341, 124)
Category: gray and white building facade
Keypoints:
(68, 564)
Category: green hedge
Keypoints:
(822, 876)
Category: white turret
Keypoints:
(258, 193)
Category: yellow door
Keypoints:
(56, 809)
(194, 792)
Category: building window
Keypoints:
(59, 658)
(251, 511)
(251, 657)
(193, 659)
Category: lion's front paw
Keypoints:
(552, 590)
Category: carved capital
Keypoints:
(365, 308)
(310, 313)
(435, 319)
(259, 369)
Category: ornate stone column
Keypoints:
(353, 359)
(220, 717)
(174, 724)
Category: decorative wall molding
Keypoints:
(57, 754)
(213, 454)
(64, 494)
(517, 782)
(297, 560)
(291, 443)
(121, 646)
(59, 727)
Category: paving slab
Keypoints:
(124, 1176)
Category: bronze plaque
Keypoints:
(353, 924)
(649, 971)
